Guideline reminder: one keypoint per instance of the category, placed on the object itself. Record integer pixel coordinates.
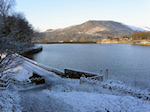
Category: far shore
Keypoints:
(65, 42)
(107, 42)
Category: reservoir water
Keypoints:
(128, 63)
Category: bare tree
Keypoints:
(7, 55)
(14, 33)
(20, 29)
(9, 50)
(6, 7)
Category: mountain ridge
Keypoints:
(91, 30)
(135, 28)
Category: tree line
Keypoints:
(142, 35)
(15, 35)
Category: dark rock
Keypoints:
(32, 50)
(77, 74)
(35, 78)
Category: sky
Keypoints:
(54, 14)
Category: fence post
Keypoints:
(106, 74)
(82, 79)
(101, 71)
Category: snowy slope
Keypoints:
(137, 28)
(145, 28)
(141, 28)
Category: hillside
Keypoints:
(88, 31)
(100, 28)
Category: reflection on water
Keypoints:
(128, 63)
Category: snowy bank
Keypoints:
(67, 95)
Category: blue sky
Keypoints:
(52, 14)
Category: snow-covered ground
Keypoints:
(66, 95)
(9, 101)
(95, 102)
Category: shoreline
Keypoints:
(64, 42)
(33, 50)
(131, 43)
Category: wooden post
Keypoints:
(106, 74)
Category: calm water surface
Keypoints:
(128, 63)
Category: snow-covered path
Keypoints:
(39, 101)
(94, 102)
(51, 101)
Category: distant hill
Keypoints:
(88, 31)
